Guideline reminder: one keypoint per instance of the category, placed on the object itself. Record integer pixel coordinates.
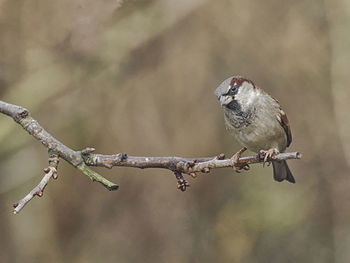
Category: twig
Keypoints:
(82, 159)
(50, 171)
(38, 190)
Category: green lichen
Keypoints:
(97, 177)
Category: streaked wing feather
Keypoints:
(285, 125)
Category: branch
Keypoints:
(82, 159)
(22, 117)
(179, 165)
(38, 190)
(183, 165)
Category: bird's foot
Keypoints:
(267, 155)
(236, 165)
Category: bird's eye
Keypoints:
(233, 90)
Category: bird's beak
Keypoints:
(225, 100)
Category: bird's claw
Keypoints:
(267, 155)
(236, 165)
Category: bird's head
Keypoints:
(236, 93)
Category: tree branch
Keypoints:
(50, 171)
(183, 165)
(82, 159)
(38, 190)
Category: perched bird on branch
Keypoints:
(257, 121)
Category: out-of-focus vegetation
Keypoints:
(138, 77)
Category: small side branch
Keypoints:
(50, 171)
(38, 190)
(95, 177)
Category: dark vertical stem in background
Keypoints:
(324, 228)
(10, 71)
(11, 44)
(337, 16)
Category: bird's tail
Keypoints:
(281, 172)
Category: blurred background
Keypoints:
(138, 77)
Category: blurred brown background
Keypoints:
(138, 77)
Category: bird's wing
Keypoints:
(285, 125)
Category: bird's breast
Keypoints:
(256, 131)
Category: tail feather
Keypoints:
(281, 172)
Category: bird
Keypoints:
(257, 121)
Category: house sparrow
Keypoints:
(257, 121)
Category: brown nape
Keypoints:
(239, 80)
